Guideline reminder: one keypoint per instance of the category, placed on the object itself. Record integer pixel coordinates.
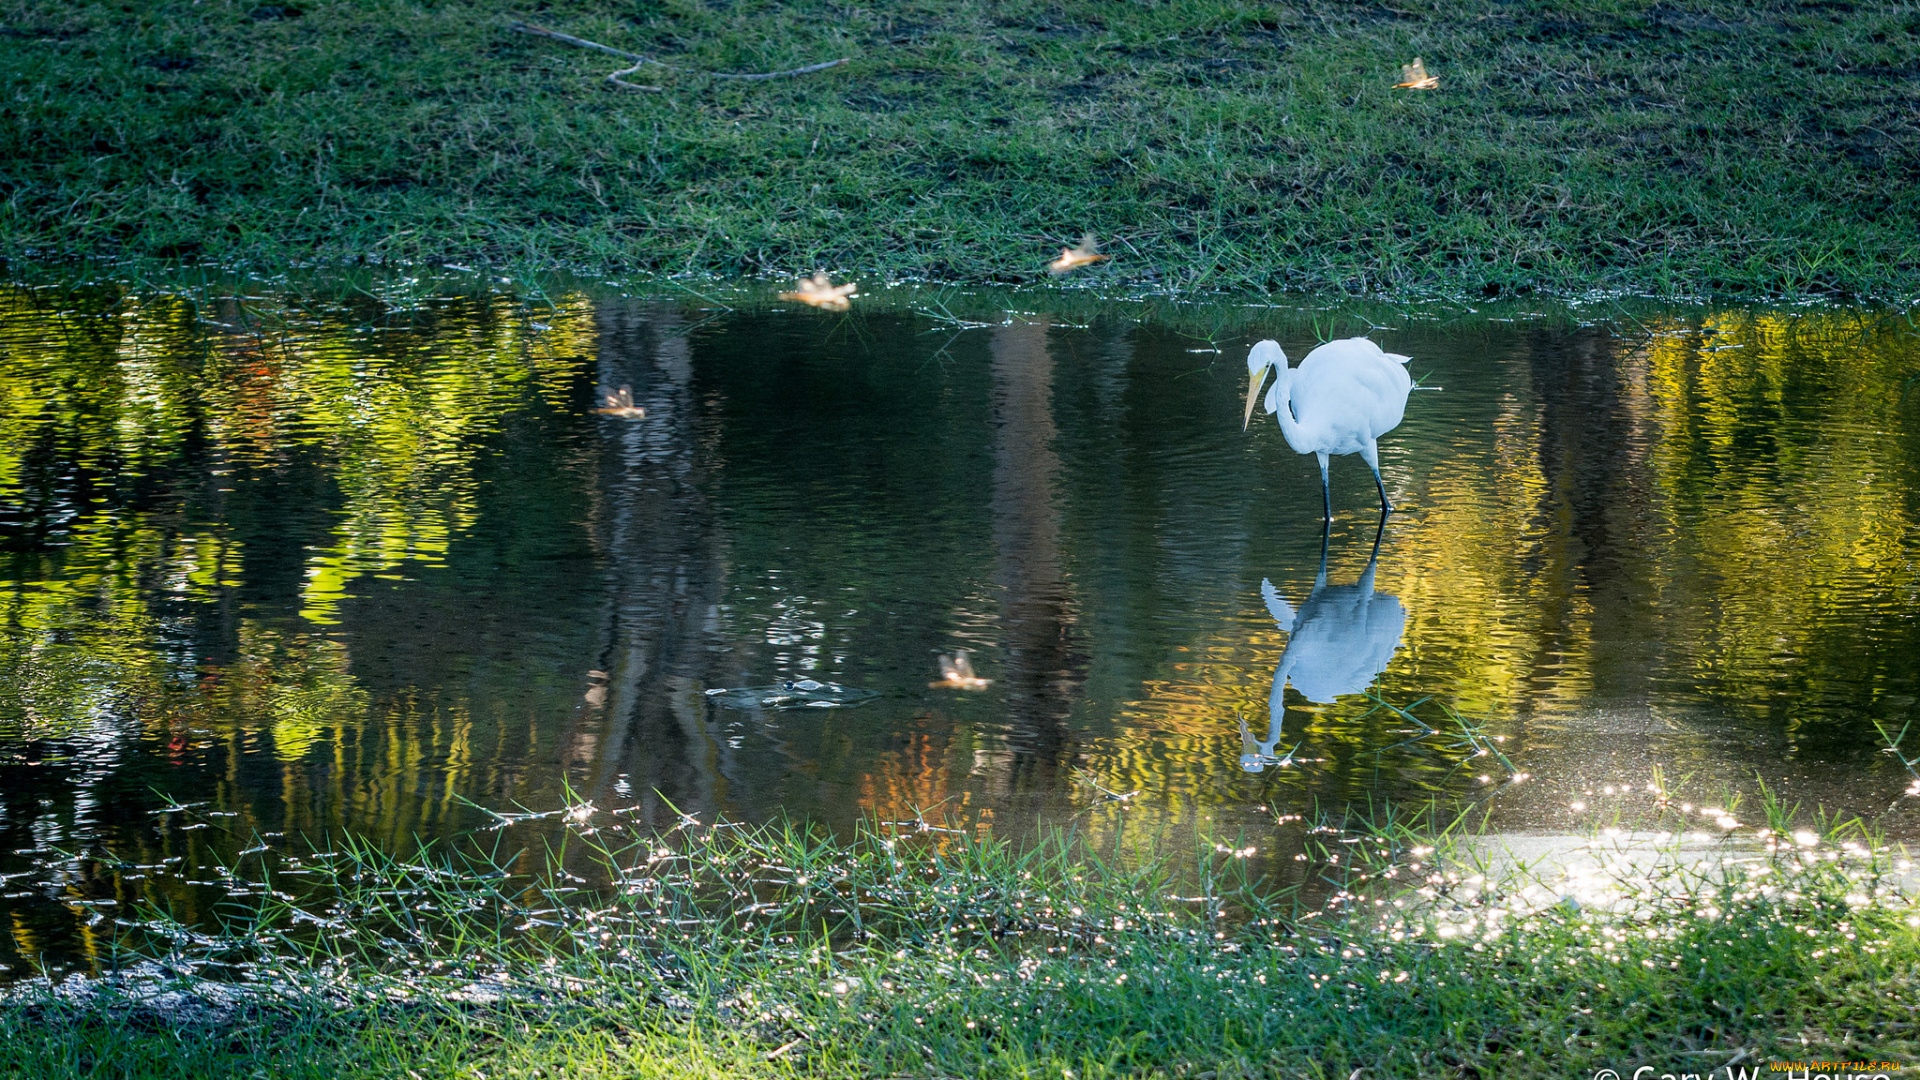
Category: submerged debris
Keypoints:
(150, 991)
(796, 694)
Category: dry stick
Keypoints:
(616, 80)
(754, 76)
(641, 61)
(541, 31)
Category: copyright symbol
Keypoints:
(1606, 1074)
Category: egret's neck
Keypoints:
(1290, 427)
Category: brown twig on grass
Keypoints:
(642, 61)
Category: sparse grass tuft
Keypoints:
(770, 951)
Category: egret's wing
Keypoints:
(963, 665)
(1277, 605)
(1356, 389)
(948, 669)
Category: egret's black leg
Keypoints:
(1385, 506)
(1370, 453)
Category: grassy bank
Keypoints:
(763, 952)
(1755, 149)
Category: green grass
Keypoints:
(1756, 149)
(770, 952)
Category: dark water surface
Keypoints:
(361, 563)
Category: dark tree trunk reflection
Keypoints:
(1043, 670)
(645, 721)
(1592, 523)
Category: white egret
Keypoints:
(1340, 400)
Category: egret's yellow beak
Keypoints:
(1254, 384)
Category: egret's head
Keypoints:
(1265, 355)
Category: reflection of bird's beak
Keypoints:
(1253, 394)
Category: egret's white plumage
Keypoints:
(1340, 400)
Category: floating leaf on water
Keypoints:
(620, 404)
(956, 672)
(799, 694)
(820, 291)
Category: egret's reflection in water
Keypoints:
(1338, 642)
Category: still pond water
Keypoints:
(365, 559)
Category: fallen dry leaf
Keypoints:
(1414, 77)
(1088, 252)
